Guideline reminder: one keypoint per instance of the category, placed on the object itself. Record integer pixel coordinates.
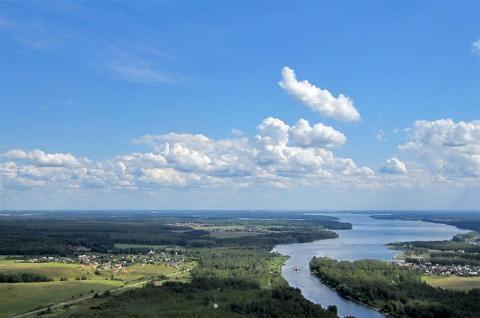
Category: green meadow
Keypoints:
(453, 282)
(54, 271)
(22, 297)
(17, 298)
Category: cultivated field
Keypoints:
(453, 282)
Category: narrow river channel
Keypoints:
(367, 239)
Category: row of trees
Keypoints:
(23, 278)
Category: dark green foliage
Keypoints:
(228, 282)
(280, 302)
(439, 245)
(65, 234)
(64, 237)
(23, 278)
(394, 289)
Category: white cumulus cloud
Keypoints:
(317, 135)
(44, 159)
(278, 156)
(317, 99)
(394, 166)
(445, 147)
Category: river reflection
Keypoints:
(367, 239)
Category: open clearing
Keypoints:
(54, 271)
(137, 272)
(20, 297)
(453, 282)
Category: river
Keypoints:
(367, 239)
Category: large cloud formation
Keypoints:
(317, 99)
(41, 158)
(445, 147)
(278, 156)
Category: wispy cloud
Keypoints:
(31, 34)
(115, 58)
(476, 47)
(381, 135)
(138, 73)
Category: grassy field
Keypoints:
(54, 271)
(137, 272)
(150, 246)
(274, 267)
(453, 282)
(22, 297)
(86, 305)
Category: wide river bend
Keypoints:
(367, 239)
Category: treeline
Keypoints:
(65, 237)
(23, 278)
(62, 237)
(463, 220)
(395, 290)
(439, 245)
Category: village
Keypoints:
(444, 270)
(117, 261)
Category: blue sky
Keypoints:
(92, 79)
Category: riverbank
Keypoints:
(366, 240)
(335, 289)
(393, 289)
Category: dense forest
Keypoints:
(395, 290)
(64, 234)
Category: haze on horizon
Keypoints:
(190, 105)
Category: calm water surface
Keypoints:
(367, 239)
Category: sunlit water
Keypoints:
(367, 239)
